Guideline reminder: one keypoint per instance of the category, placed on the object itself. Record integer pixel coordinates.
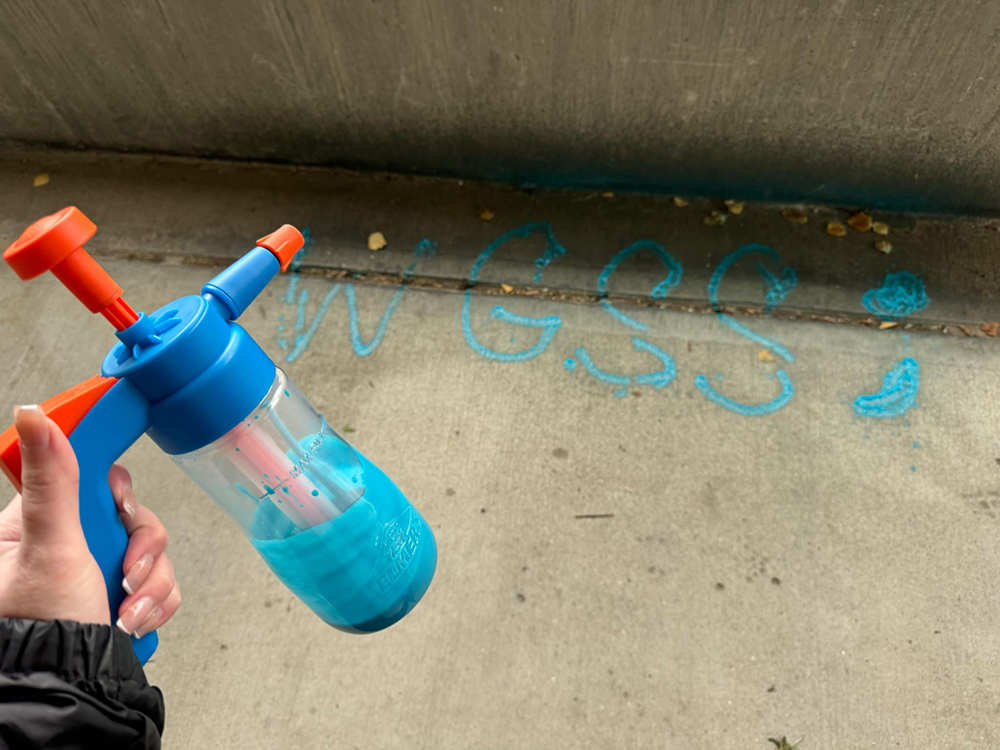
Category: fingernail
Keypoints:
(128, 503)
(135, 615)
(149, 624)
(137, 573)
(32, 435)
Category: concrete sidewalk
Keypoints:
(808, 573)
(620, 565)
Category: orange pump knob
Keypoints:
(55, 243)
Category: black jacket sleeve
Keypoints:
(68, 685)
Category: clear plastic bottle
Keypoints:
(327, 521)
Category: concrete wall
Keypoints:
(890, 103)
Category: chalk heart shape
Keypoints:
(901, 294)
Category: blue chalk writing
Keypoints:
(659, 291)
(360, 348)
(570, 364)
(776, 289)
(548, 324)
(899, 392)
(424, 249)
(659, 379)
(748, 410)
(300, 316)
(621, 392)
(597, 372)
(303, 340)
(901, 294)
(296, 264)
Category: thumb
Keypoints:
(50, 482)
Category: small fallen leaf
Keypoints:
(347, 428)
(486, 215)
(836, 229)
(884, 246)
(967, 331)
(887, 324)
(715, 219)
(783, 743)
(376, 241)
(40, 180)
(860, 221)
(795, 215)
(765, 356)
(607, 194)
(681, 202)
(990, 329)
(507, 288)
(880, 227)
(735, 207)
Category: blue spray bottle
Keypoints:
(328, 522)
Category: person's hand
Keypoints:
(46, 569)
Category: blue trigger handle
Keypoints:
(113, 424)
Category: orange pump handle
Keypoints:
(66, 410)
(55, 243)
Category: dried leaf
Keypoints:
(40, 180)
(715, 219)
(765, 356)
(347, 428)
(967, 331)
(887, 324)
(860, 221)
(486, 215)
(681, 202)
(735, 207)
(507, 288)
(607, 194)
(884, 246)
(836, 229)
(880, 227)
(990, 329)
(376, 241)
(795, 215)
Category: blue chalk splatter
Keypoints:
(314, 493)
(719, 376)
(913, 468)
(901, 294)
(570, 364)
(548, 324)
(899, 392)
(621, 392)
(916, 444)
(659, 291)
(748, 410)
(776, 289)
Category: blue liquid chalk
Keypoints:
(363, 570)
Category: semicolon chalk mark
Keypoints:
(900, 387)
(548, 324)
(748, 410)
